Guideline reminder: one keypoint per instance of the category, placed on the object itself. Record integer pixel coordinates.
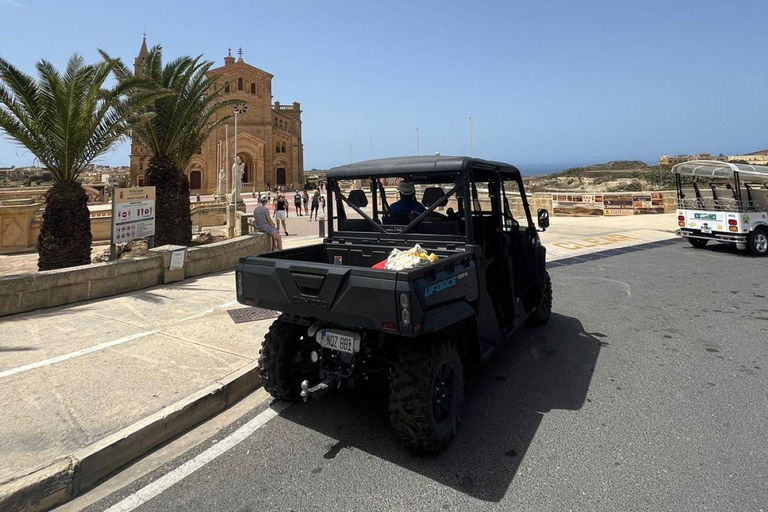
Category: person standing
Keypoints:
(305, 200)
(263, 223)
(315, 204)
(280, 212)
(322, 203)
(297, 203)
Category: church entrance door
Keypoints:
(281, 176)
(195, 182)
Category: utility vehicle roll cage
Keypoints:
(462, 172)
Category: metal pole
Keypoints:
(112, 229)
(234, 176)
(226, 173)
(418, 151)
(469, 123)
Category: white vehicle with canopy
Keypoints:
(732, 207)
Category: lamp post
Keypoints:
(230, 232)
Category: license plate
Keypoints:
(342, 341)
(705, 229)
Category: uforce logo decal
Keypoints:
(439, 287)
(310, 302)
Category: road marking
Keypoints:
(206, 312)
(148, 492)
(586, 243)
(71, 355)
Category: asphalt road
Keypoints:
(646, 391)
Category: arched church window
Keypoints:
(282, 148)
(239, 84)
(226, 88)
(277, 147)
(253, 88)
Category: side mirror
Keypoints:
(543, 218)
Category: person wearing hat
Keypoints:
(263, 222)
(401, 210)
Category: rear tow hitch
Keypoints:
(319, 389)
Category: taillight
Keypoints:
(732, 222)
(733, 228)
(389, 326)
(680, 218)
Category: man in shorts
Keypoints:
(263, 222)
(297, 203)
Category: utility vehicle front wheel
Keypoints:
(698, 243)
(757, 242)
(426, 392)
(283, 360)
(544, 309)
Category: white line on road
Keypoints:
(64, 357)
(148, 492)
(206, 312)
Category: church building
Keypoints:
(268, 135)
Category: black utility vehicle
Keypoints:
(344, 322)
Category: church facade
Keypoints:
(268, 134)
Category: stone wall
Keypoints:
(26, 292)
(17, 232)
(209, 214)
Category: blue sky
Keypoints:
(545, 82)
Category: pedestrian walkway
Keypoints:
(72, 375)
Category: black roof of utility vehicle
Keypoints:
(414, 164)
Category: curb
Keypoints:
(84, 469)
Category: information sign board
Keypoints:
(133, 213)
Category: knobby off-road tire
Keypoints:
(698, 243)
(757, 242)
(427, 371)
(544, 309)
(281, 357)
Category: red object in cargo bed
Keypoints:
(380, 265)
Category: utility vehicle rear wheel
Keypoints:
(544, 309)
(698, 243)
(283, 360)
(757, 242)
(426, 392)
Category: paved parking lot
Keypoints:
(646, 391)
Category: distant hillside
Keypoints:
(608, 167)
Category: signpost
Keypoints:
(133, 216)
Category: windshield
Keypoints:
(401, 205)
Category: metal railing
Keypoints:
(730, 205)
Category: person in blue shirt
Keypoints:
(401, 210)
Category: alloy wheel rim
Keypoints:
(761, 242)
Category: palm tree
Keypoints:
(67, 121)
(182, 122)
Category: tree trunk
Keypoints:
(65, 234)
(173, 221)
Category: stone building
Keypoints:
(268, 138)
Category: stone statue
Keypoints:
(222, 188)
(238, 169)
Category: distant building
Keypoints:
(268, 140)
(756, 158)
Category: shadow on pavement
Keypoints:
(505, 401)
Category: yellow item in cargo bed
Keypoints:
(413, 257)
